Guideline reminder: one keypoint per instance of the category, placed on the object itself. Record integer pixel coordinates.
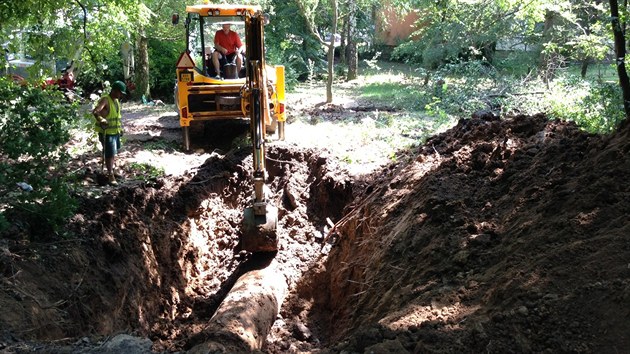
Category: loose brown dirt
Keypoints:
(499, 235)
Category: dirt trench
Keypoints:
(157, 258)
(499, 235)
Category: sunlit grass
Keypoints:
(146, 171)
(397, 95)
(367, 142)
(164, 145)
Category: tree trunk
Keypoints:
(488, 50)
(142, 69)
(331, 52)
(584, 68)
(545, 63)
(343, 47)
(620, 53)
(586, 18)
(352, 58)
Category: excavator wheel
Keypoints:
(260, 232)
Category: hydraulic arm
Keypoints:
(261, 219)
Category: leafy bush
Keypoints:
(289, 43)
(603, 108)
(459, 89)
(595, 106)
(164, 55)
(34, 127)
(409, 52)
(515, 63)
(92, 75)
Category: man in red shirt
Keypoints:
(228, 45)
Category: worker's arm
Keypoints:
(238, 42)
(240, 47)
(218, 47)
(101, 111)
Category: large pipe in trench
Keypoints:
(244, 318)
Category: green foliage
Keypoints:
(165, 145)
(93, 76)
(59, 30)
(101, 61)
(34, 127)
(4, 223)
(593, 46)
(458, 90)
(596, 106)
(409, 52)
(603, 109)
(450, 31)
(289, 43)
(145, 171)
(454, 90)
(164, 55)
(515, 63)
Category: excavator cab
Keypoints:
(199, 95)
(256, 93)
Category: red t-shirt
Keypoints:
(229, 41)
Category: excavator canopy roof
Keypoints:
(223, 9)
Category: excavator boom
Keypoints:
(260, 220)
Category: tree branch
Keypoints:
(311, 23)
(85, 15)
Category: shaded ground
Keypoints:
(499, 235)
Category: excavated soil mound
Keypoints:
(498, 236)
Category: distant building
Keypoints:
(392, 27)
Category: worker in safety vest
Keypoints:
(109, 126)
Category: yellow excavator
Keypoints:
(256, 93)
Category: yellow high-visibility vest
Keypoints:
(114, 124)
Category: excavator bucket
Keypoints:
(260, 231)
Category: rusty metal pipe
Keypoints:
(244, 318)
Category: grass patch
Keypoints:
(164, 145)
(596, 72)
(145, 172)
(397, 95)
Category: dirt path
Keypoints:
(496, 236)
